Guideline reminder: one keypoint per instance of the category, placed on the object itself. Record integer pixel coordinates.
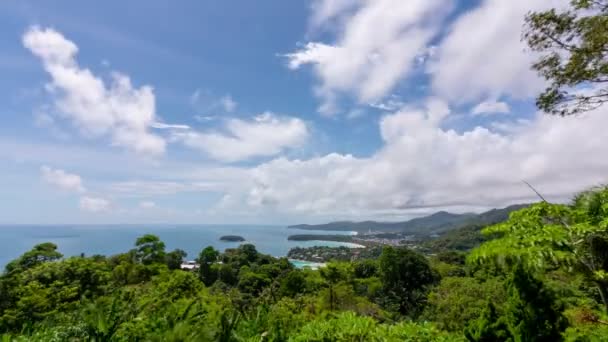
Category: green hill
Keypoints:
(436, 223)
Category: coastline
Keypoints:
(303, 263)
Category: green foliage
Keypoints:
(587, 325)
(332, 274)
(349, 327)
(533, 312)
(206, 260)
(457, 301)
(406, 277)
(461, 239)
(573, 45)
(293, 284)
(41, 253)
(150, 249)
(489, 327)
(365, 268)
(242, 295)
(175, 258)
(551, 235)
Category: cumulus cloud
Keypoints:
(423, 165)
(118, 109)
(265, 135)
(491, 107)
(377, 46)
(94, 204)
(62, 179)
(483, 56)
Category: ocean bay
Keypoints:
(72, 240)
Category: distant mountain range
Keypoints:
(436, 223)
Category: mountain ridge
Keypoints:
(435, 223)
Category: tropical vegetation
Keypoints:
(541, 275)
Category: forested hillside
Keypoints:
(539, 276)
(433, 224)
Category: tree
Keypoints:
(489, 327)
(227, 274)
(251, 282)
(293, 283)
(533, 311)
(543, 235)
(150, 249)
(206, 259)
(458, 301)
(175, 258)
(41, 253)
(573, 45)
(365, 269)
(332, 275)
(248, 253)
(406, 276)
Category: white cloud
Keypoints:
(266, 135)
(118, 109)
(61, 179)
(43, 119)
(355, 113)
(94, 204)
(483, 55)
(204, 101)
(378, 44)
(491, 107)
(228, 103)
(160, 125)
(327, 10)
(391, 104)
(423, 166)
(147, 205)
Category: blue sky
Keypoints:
(277, 112)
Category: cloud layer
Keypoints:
(425, 166)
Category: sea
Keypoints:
(72, 240)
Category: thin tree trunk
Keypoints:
(603, 288)
(331, 298)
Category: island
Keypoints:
(232, 238)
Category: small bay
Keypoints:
(73, 240)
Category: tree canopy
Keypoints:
(573, 47)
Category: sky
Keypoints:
(278, 112)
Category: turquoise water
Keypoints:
(112, 239)
(302, 264)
